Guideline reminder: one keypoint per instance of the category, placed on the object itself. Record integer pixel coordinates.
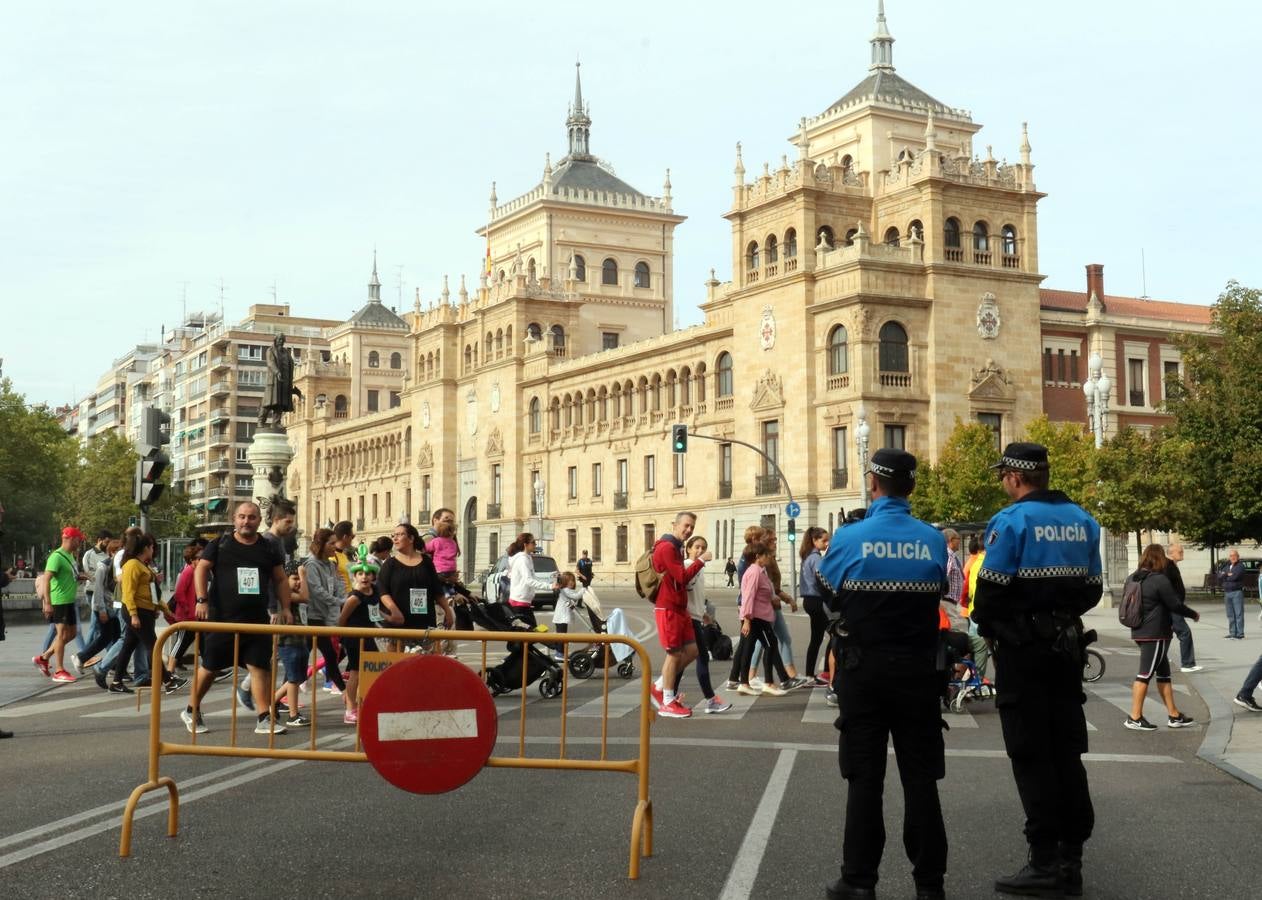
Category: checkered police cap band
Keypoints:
(888, 472)
(1026, 465)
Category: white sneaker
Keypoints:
(772, 691)
(757, 684)
(1187, 669)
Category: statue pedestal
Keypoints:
(268, 453)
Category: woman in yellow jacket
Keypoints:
(136, 590)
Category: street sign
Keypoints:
(793, 510)
(428, 725)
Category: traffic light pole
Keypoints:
(788, 490)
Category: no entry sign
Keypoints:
(428, 725)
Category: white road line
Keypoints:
(744, 871)
(1120, 695)
(961, 719)
(621, 701)
(50, 706)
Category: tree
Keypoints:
(1140, 479)
(1071, 454)
(1217, 409)
(36, 456)
(961, 487)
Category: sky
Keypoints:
(153, 151)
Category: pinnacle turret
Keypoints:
(579, 123)
(374, 283)
(882, 42)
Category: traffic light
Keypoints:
(793, 531)
(155, 427)
(679, 438)
(149, 468)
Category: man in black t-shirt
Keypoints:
(242, 564)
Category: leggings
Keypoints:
(1154, 659)
(182, 643)
(331, 672)
(702, 664)
(814, 607)
(785, 645)
(762, 634)
(107, 632)
(143, 636)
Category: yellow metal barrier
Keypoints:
(641, 820)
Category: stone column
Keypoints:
(269, 453)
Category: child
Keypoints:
(293, 651)
(757, 616)
(569, 598)
(364, 608)
(694, 549)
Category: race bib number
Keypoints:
(118, 604)
(302, 613)
(248, 582)
(418, 601)
(374, 613)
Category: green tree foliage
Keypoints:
(1217, 410)
(36, 456)
(961, 487)
(1140, 482)
(1071, 454)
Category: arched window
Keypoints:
(723, 368)
(501, 275)
(555, 414)
(396, 360)
(699, 381)
(407, 443)
(751, 255)
(981, 237)
(499, 342)
(772, 249)
(1009, 240)
(847, 164)
(536, 417)
(508, 339)
(617, 400)
(838, 351)
(685, 386)
(609, 271)
(568, 406)
(655, 393)
(374, 359)
(468, 357)
(580, 268)
(951, 233)
(891, 237)
(602, 404)
(534, 331)
(641, 274)
(916, 230)
(893, 351)
(790, 244)
(530, 269)
(825, 236)
(642, 388)
(317, 462)
(558, 339)
(850, 236)
(339, 407)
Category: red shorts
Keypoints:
(674, 628)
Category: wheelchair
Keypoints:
(966, 687)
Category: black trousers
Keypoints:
(814, 607)
(1045, 734)
(760, 632)
(107, 633)
(143, 636)
(881, 694)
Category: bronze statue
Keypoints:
(280, 391)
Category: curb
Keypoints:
(1218, 735)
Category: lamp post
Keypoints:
(1096, 387)
(861, 433)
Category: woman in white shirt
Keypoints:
(522, 580)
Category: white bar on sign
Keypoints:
(427, 725)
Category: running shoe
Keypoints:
(715, 704)
(350, 717)
(772, 691)
(1187, 670)
(298, 721)
(655, 694)
(186, 716)
(332, 689)
(264, 725)
(732, 684)
(1140, 724)
(74, 661)
(675, 710)
(757, 683)
(831, 697)
(174, 683)
(99, 678)
(1179, 721)
(820, 681)
(283, 706)
(42, 665)
(794, 683)
(1247, 702)
(64, 677)
(119, 688)
(247, 700)
(748, 690)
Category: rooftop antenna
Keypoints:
(183, 303)
(398, 283)
(222, 288)
(273, 290)
(1143, 274)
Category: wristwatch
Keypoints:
(203, 600)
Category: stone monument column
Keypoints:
(269, 455)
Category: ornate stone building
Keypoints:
(884, 273)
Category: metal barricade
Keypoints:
(642, 818)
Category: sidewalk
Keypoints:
(1233, 739)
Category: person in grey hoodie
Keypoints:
(325, 592)
(1153, 636)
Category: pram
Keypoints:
(967, 686)
(507, 676)
(583, 663)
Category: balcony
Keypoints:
(954, 254)
(220, 439)
(220, 362)
(495, 510)
(220, 389)
(218, 415)
(838, 382)
(725, 490)
(619, 499)
(895, 379)
(249, 386)
(840, 478)
(220, 466)
(765, 485)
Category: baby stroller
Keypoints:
(507, 675)
(967, 686)
(584, 662)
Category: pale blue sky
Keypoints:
(150, 144)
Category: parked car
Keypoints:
(545, 567)
(1252, 567)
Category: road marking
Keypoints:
(1120, 695)
(50, 706)
(744, 871)
(621, 701)
(427, 725)
(818, 712)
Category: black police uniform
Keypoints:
(1041, 572)
(888, 573)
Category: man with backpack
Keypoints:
(662, 577)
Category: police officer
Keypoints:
(888, 572)
(1040, 574)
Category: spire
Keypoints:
(739, 171)
(464, 293)
(931, 134)
(446, 294)
(666, 188)
(1025, 144)
(882, 42)
(579, 123)
(374, 283)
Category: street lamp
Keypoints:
(1096, 387)
(861, 433)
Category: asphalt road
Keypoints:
(747, 804)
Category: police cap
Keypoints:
(890, 463)
(1023, 456)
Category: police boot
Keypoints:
(1071, 869)
(839, 890)
(1040, 877)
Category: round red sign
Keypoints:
(428, 725)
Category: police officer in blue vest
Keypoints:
(1040, 574)
(888, 572)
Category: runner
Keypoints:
(364, 608)
(409, 583)
(57, 587)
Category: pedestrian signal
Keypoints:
(679, 438)
(793, 531)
